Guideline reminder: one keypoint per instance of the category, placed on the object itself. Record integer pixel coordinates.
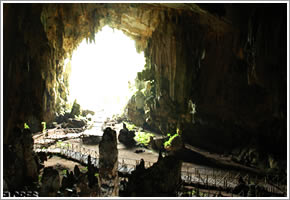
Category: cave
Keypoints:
(208, 116)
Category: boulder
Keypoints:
(76, 123)
(86, 112)
(76, 109)
(161, 179)
(126, 137)
(156, 143)
(176, 145)
(50, 182)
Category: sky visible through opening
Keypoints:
(101, 71)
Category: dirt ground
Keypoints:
(192, 157)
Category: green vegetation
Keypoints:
(130, 127)
(143, 138)
(168, 142)
(43, 127)
(39, 178)
(96, 175)
(26, 126)
(62, 144)
(63, 172)
(84, 169)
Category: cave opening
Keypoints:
(103, 73)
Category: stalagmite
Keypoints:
(108, 172)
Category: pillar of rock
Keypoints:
(108, 171)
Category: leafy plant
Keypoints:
(130, 127)
(96, 175)
(43, 127)
(26, 126)
(64, 172)
(168, 142)
(143, 137)
(84, 169)
(62, 144)
(39, 178)
(59, 143)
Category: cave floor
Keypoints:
(193, 158)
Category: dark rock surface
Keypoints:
(125, 136)
(50, 182)
(162, 179)
(108, 162)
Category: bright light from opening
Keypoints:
(101, 72)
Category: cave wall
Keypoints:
(232, 69)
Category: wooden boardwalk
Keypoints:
(190, 175)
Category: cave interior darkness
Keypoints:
(213, 79)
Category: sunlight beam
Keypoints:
(101, 71)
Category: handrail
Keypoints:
(208, 177)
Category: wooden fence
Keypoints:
(203, 176)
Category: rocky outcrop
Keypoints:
(214, 73)
(50, 182)
(162, 179)
(108, 162)
(21, 164)
(125, 136)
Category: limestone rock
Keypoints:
(76, 123)
(50, 182)
(161, 179)
(76, 109)
(157, 142)
(77, 171)
(125, 136)
(176, 144)
(108, 164)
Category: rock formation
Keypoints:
(162, 179)
(126, 137)
(50, 182)
(108, 164)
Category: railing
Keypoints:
(203, 176)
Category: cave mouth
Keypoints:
(103, 72)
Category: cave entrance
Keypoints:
(103, 72)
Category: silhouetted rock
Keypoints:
(161, 179)
(77, 171)
(125, 136)
(50, 182)
(108, 169)
(74, 123)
